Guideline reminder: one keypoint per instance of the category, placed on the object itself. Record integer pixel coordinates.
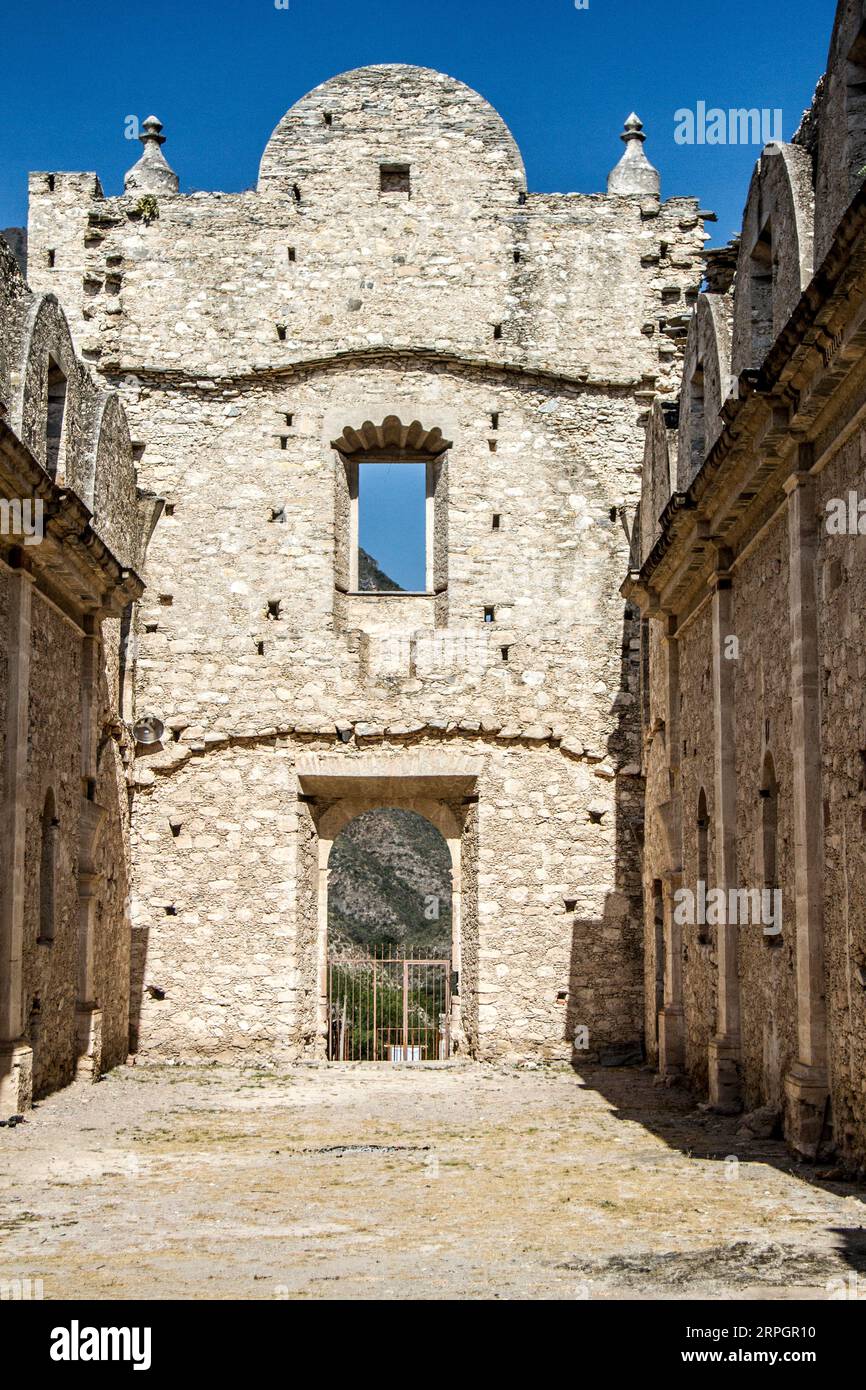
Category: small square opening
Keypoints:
(395, 178)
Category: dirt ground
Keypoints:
(377, 1182)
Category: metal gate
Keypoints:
(385, 1007)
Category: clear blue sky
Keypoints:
(391, 520)
(221, 73)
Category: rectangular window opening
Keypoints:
(496, 524)
(697, 419)
(761, 295)
(56, 410)
(392, 527)
(489, 615)
(292, 255)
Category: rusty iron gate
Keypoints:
(388, 1007)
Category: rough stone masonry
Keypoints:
(389, 291)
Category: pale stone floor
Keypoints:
(365, 1182)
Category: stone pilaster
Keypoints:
(672, 1055)
(806, 1085)
(672, 1020)
(91, 817)
(16, 1056)
(724, 1048)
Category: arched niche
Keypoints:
(108, 487)
(775, 262)
(836, 126)
(52, 399)
(656, 477)
(705, 384)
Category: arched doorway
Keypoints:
(389, 933)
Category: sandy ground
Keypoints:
(372, 1182)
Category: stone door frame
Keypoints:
(435, 785)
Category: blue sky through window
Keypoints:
(391, 520)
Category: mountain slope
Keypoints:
(390, 882)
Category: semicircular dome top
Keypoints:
(336, 138)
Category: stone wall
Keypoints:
(64, 804)
(770, 666)
(246, 334)
(841, 583)
(700, 943)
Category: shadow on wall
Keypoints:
(137, 969)
(604, 1017)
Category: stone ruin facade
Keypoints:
(751, 596)
(391, 291)
(70, 538)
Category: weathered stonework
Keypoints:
(753, 653)
(389, 286)
(64, 916)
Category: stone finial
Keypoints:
(634, 173)
(152, 174)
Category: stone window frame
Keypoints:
(435, 518)
(437, 784)
(390, 442)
